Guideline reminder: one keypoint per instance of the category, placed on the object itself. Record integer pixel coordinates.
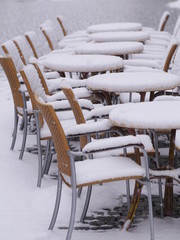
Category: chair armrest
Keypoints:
(88, 128)
(100, 112)
(112, 143)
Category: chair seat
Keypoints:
(143, 63)
(92, 171)
(79, 93)
(55, 84)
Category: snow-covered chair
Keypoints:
(161, 39)
(20, 53)
(53, 42)
(11, 51)
(22, 107)
(148, 61)
(38, 47)
(34, 85)
(162, 23)
(77, 34)
(93, 171)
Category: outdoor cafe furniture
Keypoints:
(89, 172)
(82, 63)
(122, 49)
(159, 116)
(137, 36)
(114, 27)
(128, 82)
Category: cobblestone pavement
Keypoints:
(114, 218)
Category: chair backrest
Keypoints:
(26, 75)
(59, 19)
(50, 35)
(171, 49)
(163, 21)
(23, 48)
(11, 51)
(38, 46)
(176, 28)
(11, 73)
(30, 74)
(58, 136)
(77, 111)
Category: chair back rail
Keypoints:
(77, 111)
(11, 73)
(58, 135)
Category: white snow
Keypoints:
(25, 211)
(133, 81)
(174, 4)
(139, 36)
(82, 63)
(110, 27)
(159, 115)
(110, 48)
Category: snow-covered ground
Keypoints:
(25, 210)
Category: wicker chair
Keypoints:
(22, 107)
(38, 47)
(73, 177)
(35, 83)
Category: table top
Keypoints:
(82, 63)
(110, 48)
(137, 36)
(133, 81)
(124, 26)
(157, 115)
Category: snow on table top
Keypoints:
(133, 81)
(110, 48)
(82, 63)
(123, 26)
(119, 36)
(160, 115)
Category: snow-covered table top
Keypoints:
(110, 48)
(137, 36)
(162, 115)
(124, 26)
(133, 81)
(82, 63)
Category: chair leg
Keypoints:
(79, 192)
(49, 158)
(14, 135)
(73, 212)
(57, 203)
(134, 205)
(128, 194)
(45, 157)
(22, 124)
(158, 165)
(86, 205)
(148, 185)
(24, 135)
(38, 137)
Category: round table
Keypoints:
(137, 36)
(140, 82)
(110, 48)
(82, 63)
(124, 26)
(159, 116)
